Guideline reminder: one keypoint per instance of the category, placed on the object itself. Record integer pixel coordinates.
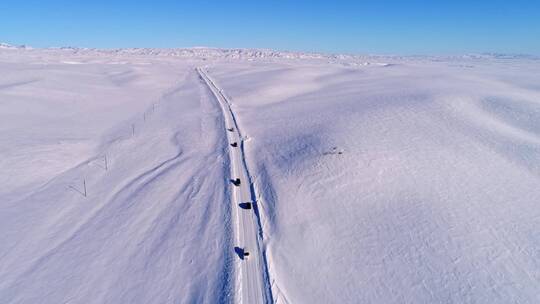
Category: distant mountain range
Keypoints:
(241, 53)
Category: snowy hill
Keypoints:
(7, 46)
(364, 179)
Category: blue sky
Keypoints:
(396, 27)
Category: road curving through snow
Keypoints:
(252, 279)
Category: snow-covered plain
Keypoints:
(380, 179)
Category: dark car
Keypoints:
(236, 182)
(245, 205)
(241, 252)
(234, 144)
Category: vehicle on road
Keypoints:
(241, 252)
(234, 144)
(246, 205)
(236, 182)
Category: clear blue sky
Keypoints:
(398, 27)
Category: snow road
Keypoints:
(252, 269)
(433, 199)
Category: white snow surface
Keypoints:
(380, 179)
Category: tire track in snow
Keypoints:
(253, 280)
